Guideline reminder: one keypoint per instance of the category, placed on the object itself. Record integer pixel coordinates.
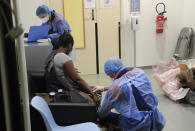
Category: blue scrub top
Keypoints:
(58, 25)
(121, 97)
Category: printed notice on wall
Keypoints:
(89, 3)
(107, 3)
(135, 6)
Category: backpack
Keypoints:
(53, 80)
(185, 44)
(50, 74)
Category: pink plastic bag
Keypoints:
(165, 73)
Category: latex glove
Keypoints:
(49, 36)
(49, 40)
(98, 89)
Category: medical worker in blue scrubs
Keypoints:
(131, 95)
(58, 24)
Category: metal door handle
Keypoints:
(92, 14)
(119, 38)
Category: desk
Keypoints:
(36, 54)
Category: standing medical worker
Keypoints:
(131, 95)
(58, 24)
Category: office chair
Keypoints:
(40, 104)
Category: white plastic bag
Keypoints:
(165, 73)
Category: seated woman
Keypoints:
(67, 76)
(131, 95)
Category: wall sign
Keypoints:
(106, 3)
(135, 6)
(89, 3)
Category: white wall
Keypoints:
(126, 35)
(189, 9)
(28, 12)
(152, 47)
(189, 19)
(175, 15)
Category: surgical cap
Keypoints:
(113, 65)
(42, 10)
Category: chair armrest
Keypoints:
(73, 113)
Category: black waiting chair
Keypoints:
(64, 113)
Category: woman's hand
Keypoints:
(98, 89)
(96, 99)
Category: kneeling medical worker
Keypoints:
(131, 95)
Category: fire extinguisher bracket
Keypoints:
(163, 12)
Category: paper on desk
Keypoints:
(42, 40)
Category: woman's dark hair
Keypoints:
(65, 39)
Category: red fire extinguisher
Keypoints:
(160, 19)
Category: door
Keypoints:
(86, 57)
(108, 31)
(57, 6)
(80, 18)
(102, 36)
(73, 11)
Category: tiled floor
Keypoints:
(179, 117)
